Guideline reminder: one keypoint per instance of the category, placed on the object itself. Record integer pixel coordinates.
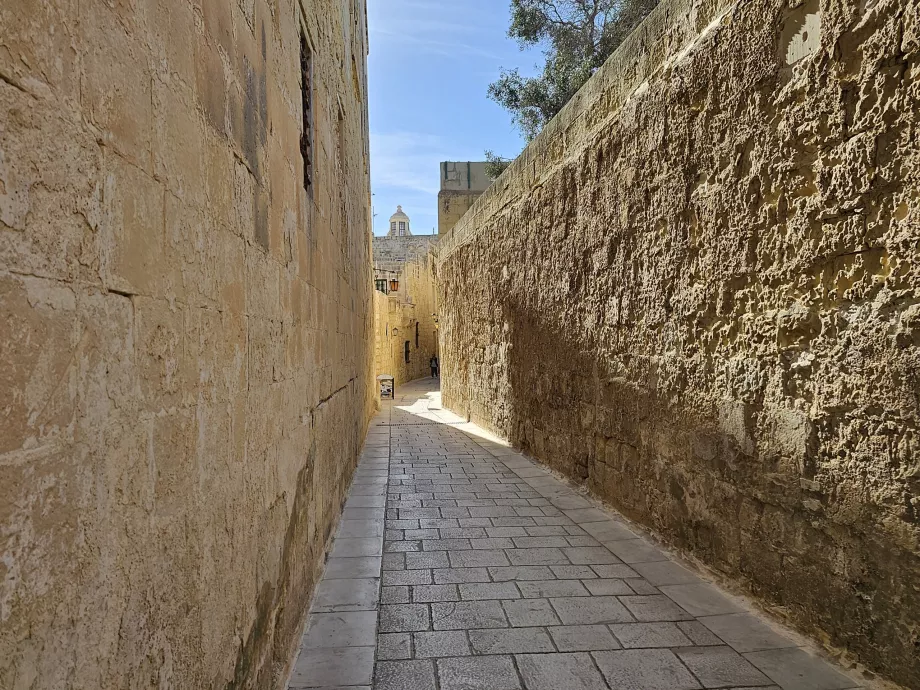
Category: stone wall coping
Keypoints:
(670, 33)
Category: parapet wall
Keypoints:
(391, 252)
(697, 293)
(186, 337)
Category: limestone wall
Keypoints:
(452, 206)
(697, 293)
(465, 176)
(185, 335)
(391, 253)
(461, 185)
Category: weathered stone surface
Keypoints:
(696, 291)
(185, 335)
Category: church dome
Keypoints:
(399, 224)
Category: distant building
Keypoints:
(405, 301)
(461, 185)
(399, 245)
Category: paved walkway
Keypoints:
(459, 564)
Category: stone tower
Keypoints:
(461, 185)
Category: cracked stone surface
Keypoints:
(479, 569)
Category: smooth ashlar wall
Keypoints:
(186, 337)
(697, 293)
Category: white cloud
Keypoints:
(408, 160)
(433, 28)
(438, 46)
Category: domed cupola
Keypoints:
(399, 224)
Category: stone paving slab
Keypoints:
(460, 564)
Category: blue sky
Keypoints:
(430, 64)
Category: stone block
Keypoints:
(394, 595)
(350, 568)
(515, 641)
(439, 644)
(466, 615)
(317, 668)
(746, 633)
(400, 675)
(642, 635)
(346, 595)
(430, 593)
(536, 557)
(654, 607)
(478, 673)
(552, 671)
(649, 669)
(796, 669)
(525, 613)
(116, 86)
(336, 630)
(590, 610)
(590, 555)
(718, 667)
(489, 590)
(701, 599)
(356, 547)
(543, 589)
(582, 638)
(478, 558)
(394, 646)
(605, 587)
(404, 618)
(445, 576)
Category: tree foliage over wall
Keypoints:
(578, 35)
(495, 164)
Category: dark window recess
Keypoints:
(416, 335)
(306, 89)
(407, 352)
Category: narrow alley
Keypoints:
(485, 345)
(459, 564)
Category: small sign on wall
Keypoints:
(387, 387)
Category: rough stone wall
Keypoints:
(413, 306)
(185, 336)
(697, 292)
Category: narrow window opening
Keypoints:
(416, 335)
(306, 138)
(407, 352)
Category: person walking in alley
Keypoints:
(434, 367)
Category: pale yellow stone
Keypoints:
(709, 246)
(186, 346)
